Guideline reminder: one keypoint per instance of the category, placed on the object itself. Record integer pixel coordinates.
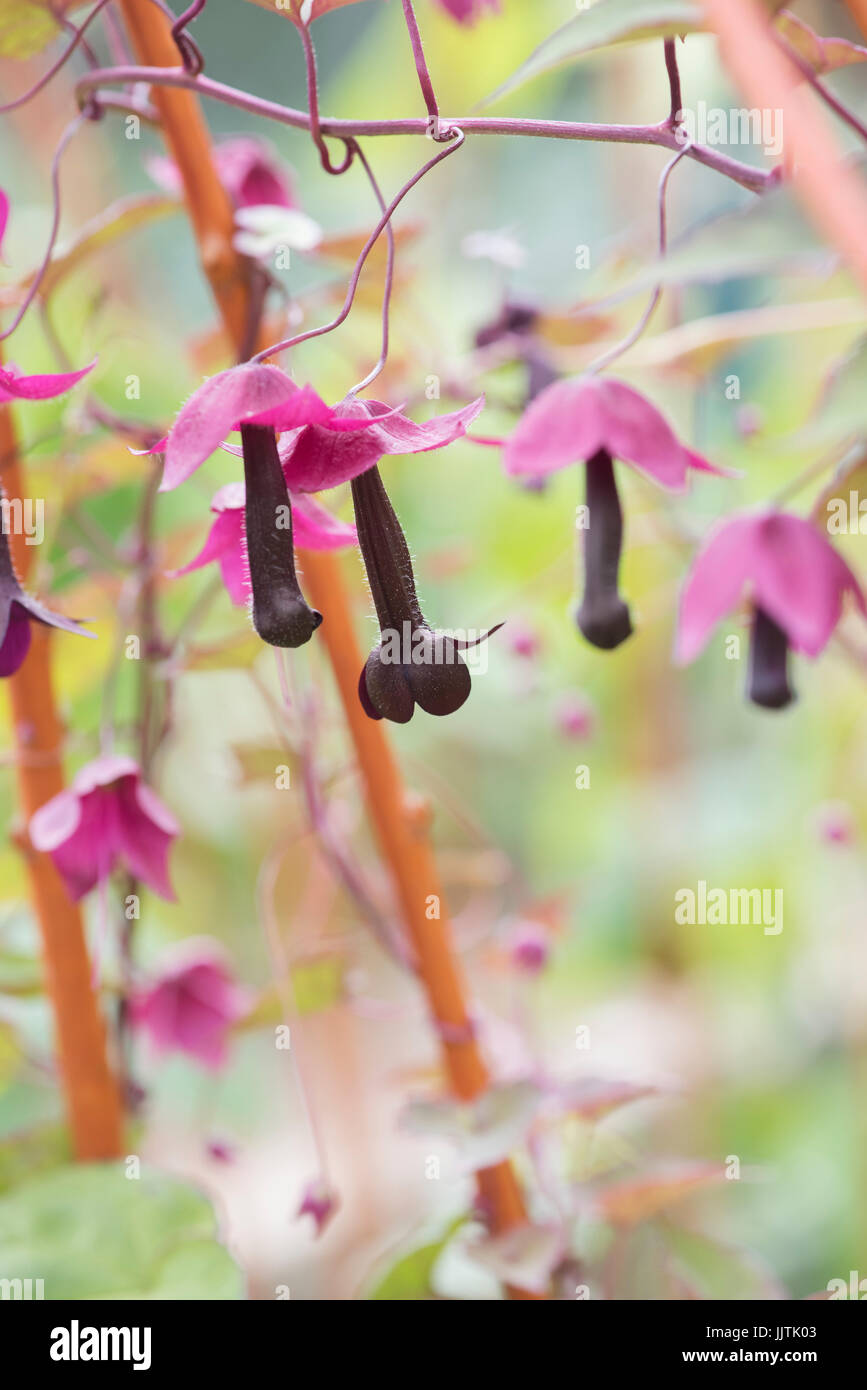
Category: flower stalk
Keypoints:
(401, 826)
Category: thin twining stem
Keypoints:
(389, 278)
(191, 54)
(80, 31)
(831, 101)
(673, 81)
(756, 180)
(631, 338)
(71, 130)
(313, 104)
(421, 67)
(455, 144)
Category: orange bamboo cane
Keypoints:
(402, 834)
(90, 1090)
(832, 193)
(859, 14)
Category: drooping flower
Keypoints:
(18, 610)
(320, 1201)
(107, 818)
(323, 447)
(15, 385)
(598, 420)
(191, 1006)
(314, 528)
(795, 582)
(468, 11)
(412, 664)
(249, 169)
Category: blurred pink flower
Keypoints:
(835, 823)
(249, 167)
(314, 529)
(795, 581)
(192, 1006)
(107, 817)
(320, 1201)
(468, 11)
(4, 216)
(523, 640)
(529, 945)
(576, 716)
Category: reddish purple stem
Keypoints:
(756, 180)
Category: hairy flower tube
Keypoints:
(598, 420)
(107, 818)
(411, 664)
(795, 582)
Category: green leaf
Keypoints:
(92, 1233)
(769, 236)
(26, 27)
(715, 1270)
(116, 221)
(409, 1278)
(842, 411)
(607, 24)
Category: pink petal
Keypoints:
(571, 420)
(55, 822)
(41, 387)
(15, 641)
(102, 772)
(699, 464)
(316, 529)
(253, 173)
(250, 393)
(224, 546)
(716, 582)
(315, 458)
(399, 435)
(318, 458)
(145, 833)
(800, 580)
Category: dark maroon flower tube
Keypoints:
(411, 664)
(603, 617)
(769, 664)
(281, 615)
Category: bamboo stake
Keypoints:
(90, 1090)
